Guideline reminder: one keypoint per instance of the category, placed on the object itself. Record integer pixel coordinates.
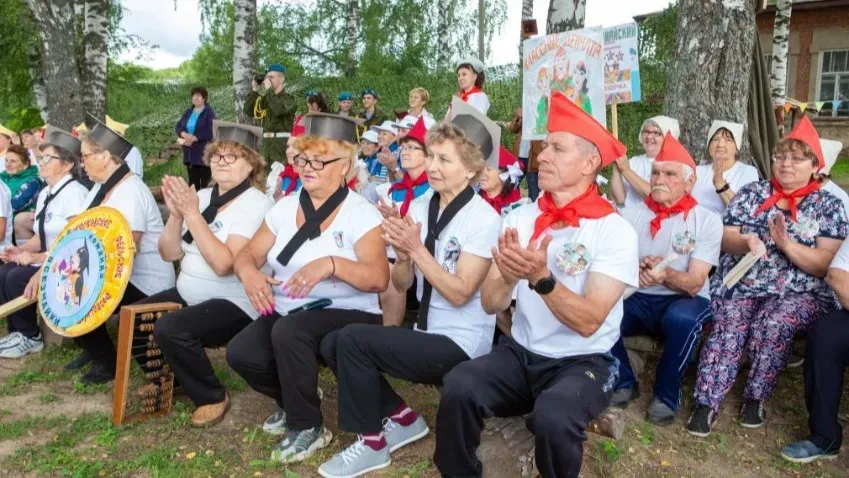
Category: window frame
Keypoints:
(838, 75)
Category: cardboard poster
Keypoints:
(621, 64)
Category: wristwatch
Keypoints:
(723, 188)
(543, 286)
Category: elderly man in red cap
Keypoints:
(801, 228)
(674, 299)
(571, 257)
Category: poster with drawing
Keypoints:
(569, 62)
(621, 64)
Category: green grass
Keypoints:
(17, 428)
(48, 397)
(173, 167)
(230, 380)
(840, 171)
(22, 380)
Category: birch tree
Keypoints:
(351, 37)
(443, 35)
(96, 38)
(54, 20)
(565, 15)
(709, 75)
(780, 50)
(244, 37)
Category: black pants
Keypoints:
(97, 343)
(183, 336)
(360, 354)
(199, 176)
(13, 281)
(278, 357)
(826, 359)
(561, 397)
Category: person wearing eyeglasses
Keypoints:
(323, 243)
(629, 182)
(718, 181)
(21, 176)
(801, 227)
(61, 199)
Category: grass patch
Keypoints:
(17, 428)
(645, 433)
(230, 380)
(840, 170)
(91, 389)
(415, 470)
(20, 381)
(48, 397)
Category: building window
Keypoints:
(834, 83)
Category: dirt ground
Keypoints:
(52, 425)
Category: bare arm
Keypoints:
(813, 260)
(733, 241)
(727, 196)
(585, 314)
(838, 280)
(456, 289)
(253, 255)
(170, 242)
(496, 291)
(688, 282)
(403, 275)
(617, 186)
(640, 185)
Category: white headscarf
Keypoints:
(736, 130)
(665, 123)
(830, 150)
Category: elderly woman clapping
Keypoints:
(719, 181)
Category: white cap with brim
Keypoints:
(666, 125)
(387, 126)
(736, 130)
(476, 64)
(370, 136)
(406, 122)
(830, 150)
(479, 129)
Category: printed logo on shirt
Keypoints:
(216, 226)
(684, 243)
(807, 228)
(451, 256)
(48, 216)
(573, 258)
(338, 238)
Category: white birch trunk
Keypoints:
(565, 15)
(54, 20)
(709, 74)
(351, 39)
(96, 40)
(443, 37)
(244, 36)
(780, 52)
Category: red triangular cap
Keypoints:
(506, 158)
(418, 132)
(672, 150)
(563, 115)
(806, 133)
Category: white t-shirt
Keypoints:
(697, 237)
(6, 212)
(474, 230)
(705, 192)
(841, 259)
(641, 165)
(355, 219)
(833, 188)
(197, 281)
(606, 246)
(70, 202)
(135, 162)
(480, 101)
(135, 202)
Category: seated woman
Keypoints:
(397, 198)
(801, 227)
(205, 232)
(449, 256)
(116, 186)
(324, 243)
(283, 179)
(719, 181)
(59, 201)
(22, 179)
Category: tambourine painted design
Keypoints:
(87, 271)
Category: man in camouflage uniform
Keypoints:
(372, 115)
(274, 110)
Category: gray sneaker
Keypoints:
(398, 435)
(300, 445)
(660, 414)
(358, 459)
(276, 423)
(15, 336)
(22, 346)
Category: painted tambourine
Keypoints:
(86, 272)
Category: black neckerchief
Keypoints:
(42, 236)
(434, 229)
(311, 228)
(215, 203)
(110, 184)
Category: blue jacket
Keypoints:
(203, 130)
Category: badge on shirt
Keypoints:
(215, 226)
(807, 228)
(451, 255)
(48, 216)
(338, 238)
(684, 243)
(573, 258)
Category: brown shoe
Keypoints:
(209, 415)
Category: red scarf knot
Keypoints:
(290, 173)
(589, 205)
(464, 95)
(661, 212)
(499, 201)
(792, 198)
(407, 184)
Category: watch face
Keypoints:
(545, 286)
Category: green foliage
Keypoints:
(22, 118)
(17, 32)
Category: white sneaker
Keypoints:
(358, 459)
(398, 435)
(23, 346)
(10, 340)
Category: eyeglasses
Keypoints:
(648, 132)
(410, 149)
(301, 161)
(46, 158)
(226, 158)
(795, 160)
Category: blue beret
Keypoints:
(369, 91)
(311, 93)
(277, 67)
(344, 96)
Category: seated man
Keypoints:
(673, 302)
(571, 257)
(827, 358)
